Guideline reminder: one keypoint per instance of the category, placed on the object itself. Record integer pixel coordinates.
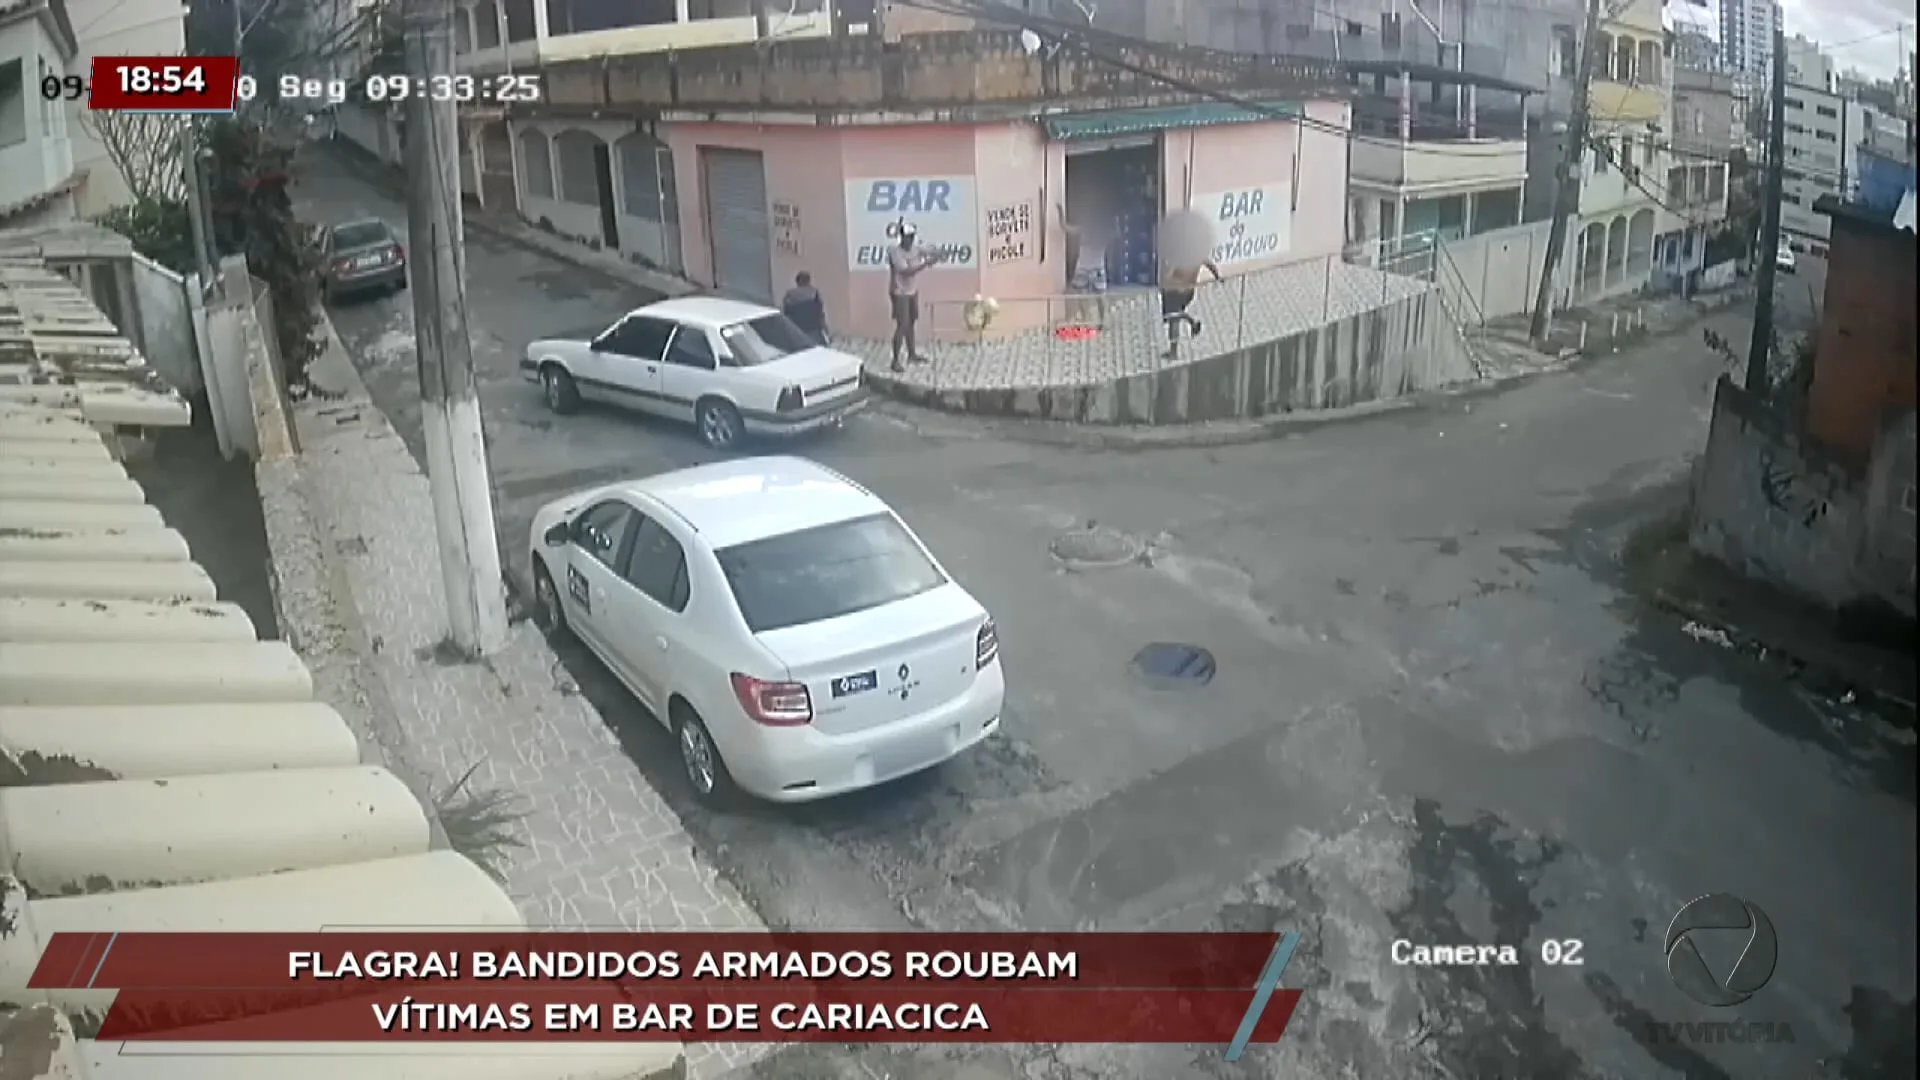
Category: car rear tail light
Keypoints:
(790, 399)
(986, 646)
(341, 265)
(399, 253)
(775, 704)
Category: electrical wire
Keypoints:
(1001, 13)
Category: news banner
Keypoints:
(684, 987)
(215, 84)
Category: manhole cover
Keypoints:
(1171, 666)
(1094, 548)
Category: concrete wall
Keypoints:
(1401, 348)
(36, 153)
(1864, 358)
(166, 324)
(372, 130)
(1494, 274)
(1772, 505)
(650, 242)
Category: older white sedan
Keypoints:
(730, 368)
(788, 627)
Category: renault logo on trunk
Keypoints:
(904, 672)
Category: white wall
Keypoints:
(655, 242)
(36, 152)
(116, 28)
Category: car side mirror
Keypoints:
(558, 535)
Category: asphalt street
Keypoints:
(1437, 718)
(1798, 297)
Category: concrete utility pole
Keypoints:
(1756, 380)
(205, 260)
(449, 399)
(1566, 194)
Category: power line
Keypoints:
(1001, 13)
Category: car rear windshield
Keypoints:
(765, 339)
(825, 572)
(361, 234)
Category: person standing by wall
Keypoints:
(904, 265)
(1178, 284)
(1087, 247)
(805, 308)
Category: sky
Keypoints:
(1857, 33)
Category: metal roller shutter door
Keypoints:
(737, 217)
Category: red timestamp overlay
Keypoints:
(173, 84)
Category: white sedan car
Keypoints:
(729, 368)
(794, 634)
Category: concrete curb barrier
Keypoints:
(26, 617)
(60, 839)
(158, 742)
(316, 611)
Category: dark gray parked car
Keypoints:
(361, 257)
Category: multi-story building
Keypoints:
(1623, 207)
(1747, 29)
(740, 165)
(1694, 49)
(1809, 65)
(1437, 155)
(505, 36)
(115, 28)
(1821, 139)
(1705, 136)
(37, 174)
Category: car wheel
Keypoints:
(719, 424)
(562, 395)
(548, 613)
(700, 759)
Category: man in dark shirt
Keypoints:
(804, 307)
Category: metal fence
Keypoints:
(1087, 339)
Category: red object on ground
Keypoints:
(1077, 333)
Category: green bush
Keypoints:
(251, 168)
(161, 230)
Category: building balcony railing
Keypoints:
(628, 40)
(1621, 103)
(1453, 163)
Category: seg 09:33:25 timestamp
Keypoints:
(476, 89)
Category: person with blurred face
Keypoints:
(1178, 284)
(904, 263)
(1087, 245)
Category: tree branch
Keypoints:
(266, 9)
(145, 148)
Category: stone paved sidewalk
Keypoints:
(602, 849)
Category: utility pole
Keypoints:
(1566, 194)
(1758, 348)
(450, 402)
(205, 262)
